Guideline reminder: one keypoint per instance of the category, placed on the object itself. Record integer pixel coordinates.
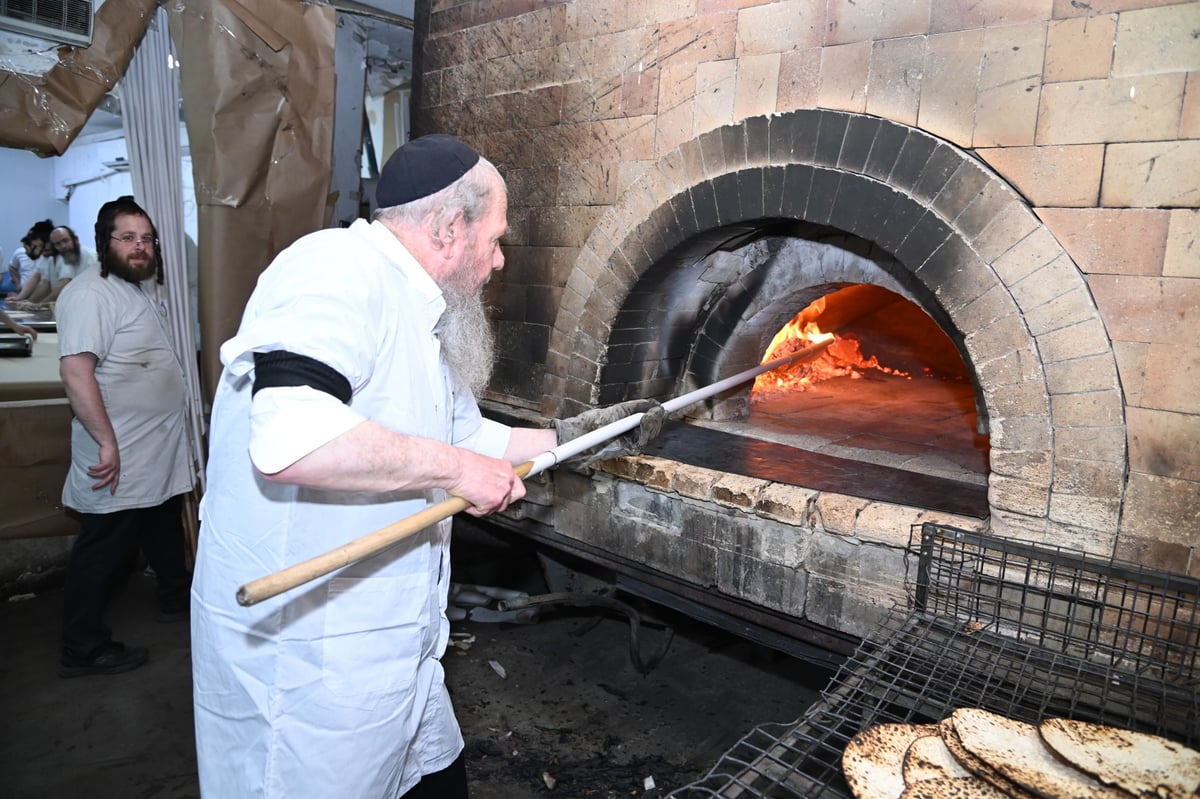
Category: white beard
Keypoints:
(468, 342)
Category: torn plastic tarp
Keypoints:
(44, 113)
(258, 86)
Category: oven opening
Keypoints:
(890, 389)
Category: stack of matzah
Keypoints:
(975, 754)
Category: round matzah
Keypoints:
(953, 788)
(976, 766)
(1138, 762)
(1015, 749)
(928, 758)
(873, 762)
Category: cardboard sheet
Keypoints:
(35, 454)
(259, 116)
(45, 113)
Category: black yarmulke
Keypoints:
(422, 167)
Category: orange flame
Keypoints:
(842, 358)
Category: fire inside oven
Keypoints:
(890, 388)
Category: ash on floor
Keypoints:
(570, 711)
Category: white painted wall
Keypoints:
(83, 173)
(83, 180)
(28, 196)
(70, 188)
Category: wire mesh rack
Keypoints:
(1014, 627)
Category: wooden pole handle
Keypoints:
(306, 571)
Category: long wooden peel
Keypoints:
(373, 543)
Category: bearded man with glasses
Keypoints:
(130, 458)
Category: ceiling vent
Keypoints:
(63, 21)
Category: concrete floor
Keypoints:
(124, 735)
(571, 706)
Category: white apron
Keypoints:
(335, 687)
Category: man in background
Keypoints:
(71, 261)
(130, 457)
(23, 266)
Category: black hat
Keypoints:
(422, 167)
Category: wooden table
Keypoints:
(33, 377)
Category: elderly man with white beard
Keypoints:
(334, 417)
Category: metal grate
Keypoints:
(1021, 629)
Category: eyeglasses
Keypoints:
(129, 238)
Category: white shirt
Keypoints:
(55, 269)
(334, 688)
(141, 381)
(25, 265)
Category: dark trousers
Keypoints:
(449, 783)
(103, 556)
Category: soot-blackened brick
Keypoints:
(877, 207)
(901, 220)
(705, 204)
(733, 144)
(780, 133)
(750, 186)
(942, 163)
(860, 135)
(756, 140)
(685, 215)
(911, 162)
(889, 138)
(773, 179)
(830, 135)
(960, 190)
(728, 195)
(664, 219)
(988, 205)
(712, 150)
(797, 185)
(854, 192)
(823, 195)
(927, 235)
(804, 135)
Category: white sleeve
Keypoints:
(288, 422)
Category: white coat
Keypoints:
(334, 688)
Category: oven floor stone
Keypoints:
(922, 425)
(571, 708)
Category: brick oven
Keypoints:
(1016, 182)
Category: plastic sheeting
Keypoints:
(258, 86)
(44, 113)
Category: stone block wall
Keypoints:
(599, 112)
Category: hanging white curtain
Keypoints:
(150, 115)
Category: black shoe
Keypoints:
(112, 658)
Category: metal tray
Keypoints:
(15, 345)
(1010, 626)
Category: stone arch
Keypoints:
(961, 240)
